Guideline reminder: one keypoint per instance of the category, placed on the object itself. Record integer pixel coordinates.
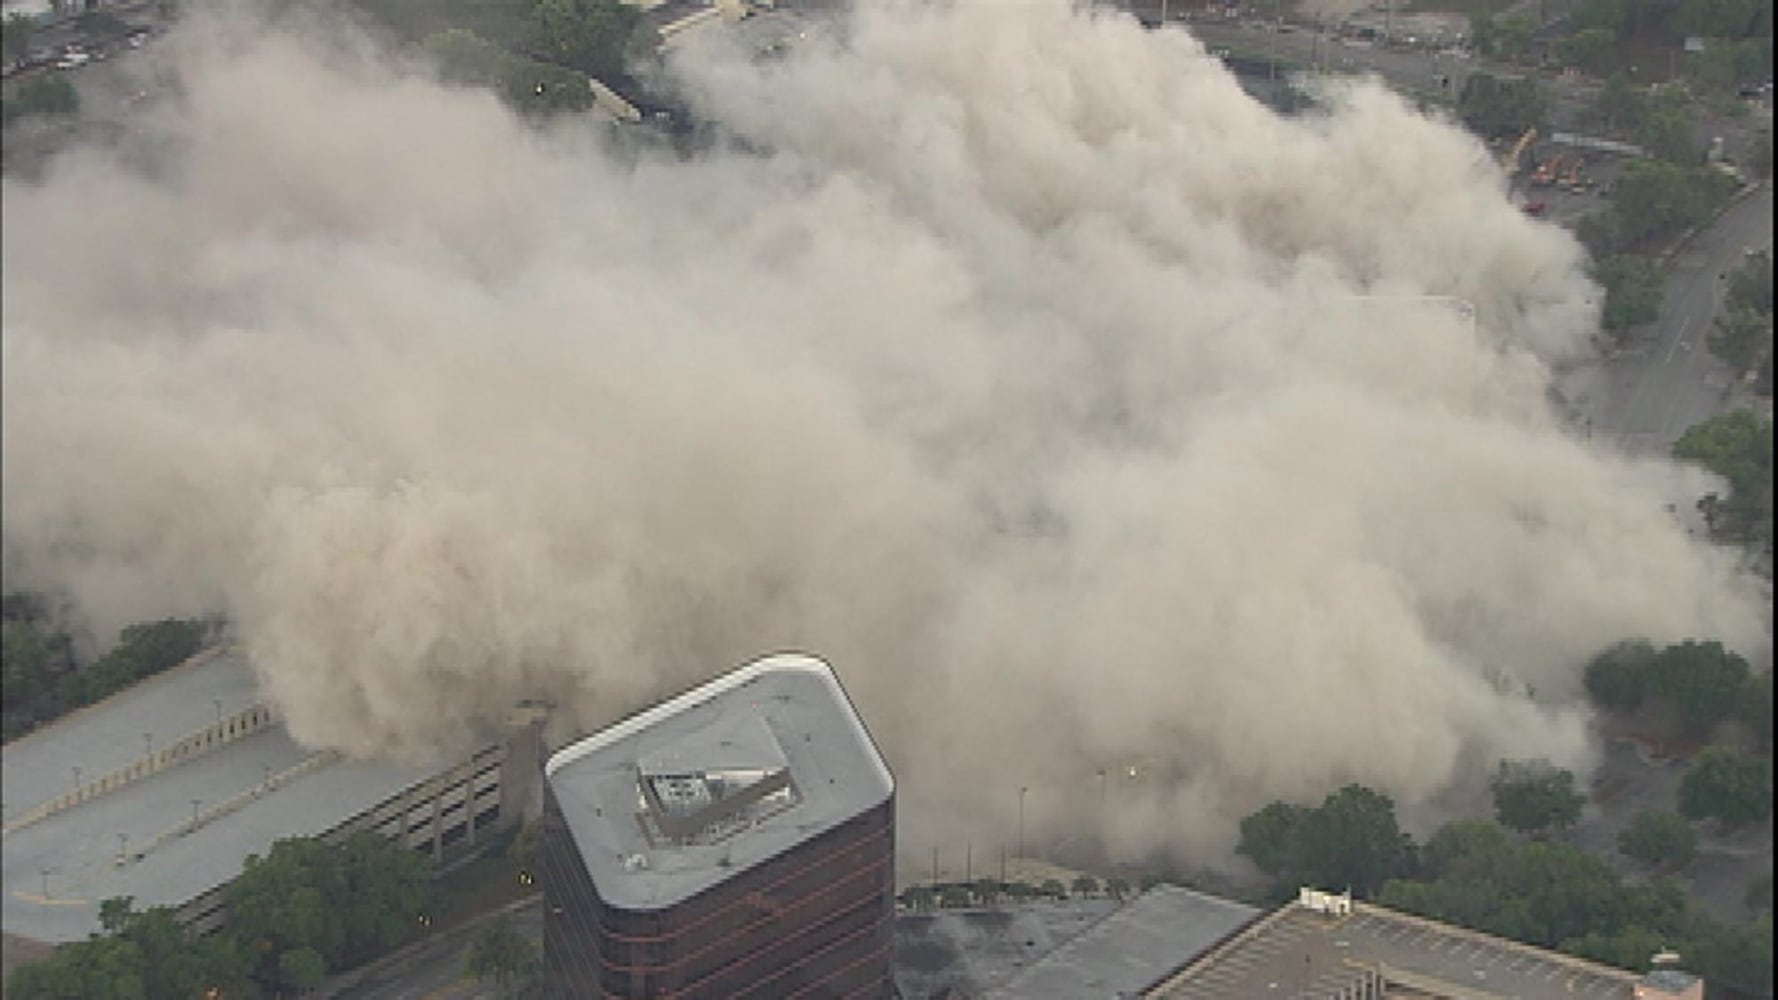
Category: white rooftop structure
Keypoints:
(181, 777)
(675, 799)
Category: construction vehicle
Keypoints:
(1548, 170)
(1574, 180)
(1511, 161)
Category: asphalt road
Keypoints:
(433, 970)
(1644, 396)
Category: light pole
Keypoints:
(218, 703)
(194, 812)
(77, 780)
(1101, 790)
(148, 744)
(1022, 791)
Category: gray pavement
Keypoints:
(104, 737)
(1664, 379)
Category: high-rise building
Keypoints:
(734, 842)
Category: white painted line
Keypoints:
(1683, 326)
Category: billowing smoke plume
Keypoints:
(1081, 410)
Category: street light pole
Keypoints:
(1022, 791)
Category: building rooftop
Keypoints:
(1132, 949)
(57, 869)
(1296, 951)
(101, 738)
(974, 950)
(669, 802)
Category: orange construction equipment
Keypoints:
(1510, 163)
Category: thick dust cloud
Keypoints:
(1085, 413)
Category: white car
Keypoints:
(73, 60)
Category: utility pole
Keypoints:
(1022, 791)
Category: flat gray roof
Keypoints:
(1297, 951)
(1132, 949)
(974, 950)
(101, 738)
(79, 846)
(792, 699)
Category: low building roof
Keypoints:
(1132, 949)
(724, 740)
(56, 870)
(1297, 949)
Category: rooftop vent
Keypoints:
(714, 783)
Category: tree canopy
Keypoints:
(526, 85)
(1495, 108)
(1738, 447)
(1655, 200)
(1351, 840)
(1658, 838)
(1531, 796)
(1633, 290)
(1706, 682)
(343, 902)
(140, 956)
(1558, 896)
(1728, 785)
(592, 36)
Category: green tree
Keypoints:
(1353, 840)
(526, 85)
(1755, 711)
(1618, 679)
(592, 36)
(1613, 16)
(1495, 108)
(1117, 888)
(138, 956)
(1269, 838)
(302, 968)
(1658, 838)
(1703, 679)
(1054, 888)
(1592, 50)
(1724, 19)
(1531, 796)
(46, 95)
(1633, 290)
(24, 664)
(1467, 849)
(1759, 893)
(1629, 948)
(16, 33)
(500, 953)
(1086, 885)
(1750, 285)
(1619, 108)
(1728, 785)
(1742, 338)
(1655, 200)
(1738, 447)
